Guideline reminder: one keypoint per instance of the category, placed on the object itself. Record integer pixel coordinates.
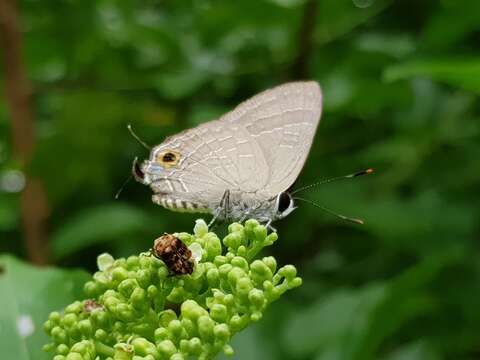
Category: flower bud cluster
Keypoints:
(136, 309)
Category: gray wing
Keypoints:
(282, 121)
(260, 146)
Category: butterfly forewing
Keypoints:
(260, 146)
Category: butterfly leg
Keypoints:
(244, 216)
(269, 226)
(224, 206)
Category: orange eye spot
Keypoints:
(168, 158)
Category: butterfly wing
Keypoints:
(260, 146)
(282, 121)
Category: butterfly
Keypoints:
(241, 165)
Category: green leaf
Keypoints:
(28, 295)
(418, 350)
(332, 319)
(463, 73)
(97, 225)
(336, 18)
(352, 323)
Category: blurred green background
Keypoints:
(401, 81)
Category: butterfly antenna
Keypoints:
(331, 212)
(117, 195)
(136, 137)
(349, 176)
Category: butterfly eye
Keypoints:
(168, 158)
(284, 202)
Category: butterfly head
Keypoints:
(151, 170)
(284, 205)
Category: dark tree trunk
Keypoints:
(18, 91)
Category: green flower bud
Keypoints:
(213, 277)
(127, 286)
(260, 233)
(92, 289)
(54, 317)
(62, 349)
(85, 327)
(295, 283)
(59, 357)
(125, 312)
(120, 262)
(220, 260)
(224, 270)
(219, 312)
(166, 317)
(175, 328)
(102, 278)
(243, 286)
(195, 346)
(271, 263)
(123, 351)
(152, 291)
(101, 335)
(48, 326)
(222, 332)
(256, 316)
(74, 356)
(257, 298)
(260, 272)
(74, 308)
(233, 240)
(190, 309)
(237, 323)
(177, 356)
(228, 350)
(119, 274)
(59, 335)
(144, 277)
(213, 246)
(81, 347)
(100, 318)
(144, 262)
(48, 347)
(166, 348)
(162, 273)
(143, 347)
(242, 251)
(104, 261)
(138, 299)
(161, 334)
(133, 262)
(177, 295)
(235, 227)
(251, 224)
(229, 300)
(111, 302)
(235, 274)
(240, 262)
(205, 327)
(271, 238)
(288, 271)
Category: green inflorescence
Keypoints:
(137, 310)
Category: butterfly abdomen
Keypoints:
(180, 205)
